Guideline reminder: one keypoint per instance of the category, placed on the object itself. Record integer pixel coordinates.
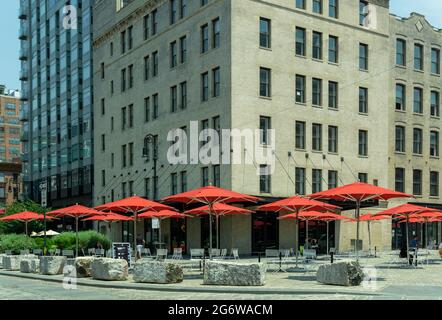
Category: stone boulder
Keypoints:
(12, 263)
(109, 269)
(234, 273)
(1, 260)
(31, 265)
(83, 266)
(52, 265)
(341, 274)
(148, 271)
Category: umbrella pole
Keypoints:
(297, 238)
(369, 238)
(306, 245)
(26, 227)
(210, 231)
(327, 237)
(76, 240)
(358, 204)
(426, 233)
(406, 239)
(135, 234)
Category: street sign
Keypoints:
(155, 223)
(122, 250)
(44, 194)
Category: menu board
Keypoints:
(121, 250)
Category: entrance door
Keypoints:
(205, 232)
(178, 234)
(265, 230)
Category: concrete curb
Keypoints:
(175, 288)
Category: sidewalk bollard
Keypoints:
(375, 249)
(204, 263)
(280, 261)
(259, 257)
(331, 257)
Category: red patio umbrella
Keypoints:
(210, 195)
(359, 192)
(134, 205)
(427, 217)
(108, 217)
(296, 205)
(77, 212)
(25, 217)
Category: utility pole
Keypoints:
(43, 191)
(150, 139)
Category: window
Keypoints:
(435, 61)
(317, 6)
(434, 144)
(123, 42)
(317, 45)
(434, 108)
(204, 2)
(102, 71)
(173, 99)
(183, 181)
(264, 82)
(173, 11)
(363, 177)
(205, 177)
(123, 118)
(147, 109)
(183, 97)
(418, 57)
(317, 137)
(400, 139)
(146, 27)
(155, 106)
(155, 63)
(264, 126)
(333, 8)
(146, 68)
(264, 32)
(363, 143)
(316, 180)
(103, 107)
(183, 49)
(131, 76)
(317, 92)
(333, 49)
(417, 141)
(333, 139)
(300, 135)
(147, 188)
(183, 8)
(131, 116)
(216, 33)
(204, 38)
(332, 95)
(363, 100)
(124, 156)
(417, 182)
(123, 80)
(401, 52)
(363, 13)
(130, 37)
(300, 4)
(264, 179)
(332, 179)
(154, 22)
(399, 179)
(205, 86)
(173, 55)
(103, 142)
(173, 183)
(434, 184)
(217, 176)
(300, 41)
(216, 78)
(131, 154)
(418, 106)
(363, 56)
(400, 97)
(300, 181)
(300, 89)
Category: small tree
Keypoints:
(17, 226)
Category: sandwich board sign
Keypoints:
(122, 250)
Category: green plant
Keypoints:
(16, 242)
(39, 242)
(86, 240)
(17, 226)
(65, 240)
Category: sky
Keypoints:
(9, 25)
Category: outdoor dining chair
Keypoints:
(161, 254)
(37, 252)
(57, 252)
(91, 252)
(223, 255)
(100, 252)
(145, 252)
(68, 253)
(272, 258)
(177, 254)
(234, 254)
(8, 252)
(24, 252)
(215, 253)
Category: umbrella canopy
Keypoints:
(427, 215)
(49, 233)
(371, 217)
(297, 204)
(405, 210)
(210, 195)
(218, 208)
(25, 217)
(109, 217)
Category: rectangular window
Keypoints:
(123, 80)
(332, 179)
(316, 180)
(183, 8)
(130, 37)
(333, 8)
(317, 92)
(363, 100)
(435, 104)
(123, 118)
(300, 135)
(183, 49)
(183, 181)
(363, 56)
(103, 142)
(264, 33)
(205, 86)
(217, 176)
(103, 107)
(264, 126)
(363, 177)
(123, 41)
(417, 182)
(418, 105)
(173, 183)
(400, 97)
(363, 13)
(434, 184)
(131, 154)
(332, 95)
(204, 38)
(216, 33)
(205, 177)
(173, 11)
(399, 184)
(155, 63)
(102, 71)
(434, 144)
(147, 109)
(401, 52)
(333, 139)
(183, 96)
(264, 82)
(300, 89)
(435, 61)
(418, 57)
(146, 27)
(173, 99)
(264, 179)
(417, 141)
(146, 68)
(131, 115)
(155, 106)
(131, 76)
(216, 80)
(300, 181)
(300, 4)
(317, 45)
(363, 143)
(400, 139)
(333, 49)
(317, 137)
(173, 55)
(154, 22)
(300, 41)
(124, 156)
(317, 6)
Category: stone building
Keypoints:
(318, 72)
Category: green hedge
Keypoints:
(86, 240)
(16, 242)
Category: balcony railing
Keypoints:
(23, 32)
(24, 115)
(24, 74)
(23, 54)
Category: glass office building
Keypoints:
(56, 75)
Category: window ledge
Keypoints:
(420, 71)
(434, 197)
(317, 106)
(333, 109)
(435, 74)
(336, 64)
(300, 150)
(333, 153)
(400, 153)
(363, 114)
(434, 158)
(300, 56)
(362, 157)
(265, 48)
(264, 98)
(418, 114)
(317, 151)
(318, 60)
(418, 155)
(303, 104)
(400, 111)
(401, 66)
(435, 117)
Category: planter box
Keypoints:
(83, 266)
(109, 269)
(340, 274)
(30, 265)
(148, 271)
(234, 274)
(52, 265)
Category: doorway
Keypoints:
(265, 231)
